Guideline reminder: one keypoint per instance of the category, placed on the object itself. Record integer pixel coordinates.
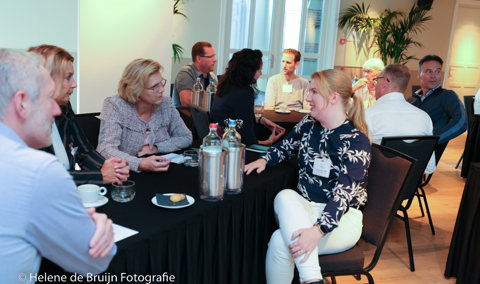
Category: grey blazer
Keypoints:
(122, 131)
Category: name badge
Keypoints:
(321, 167)
(287, 88)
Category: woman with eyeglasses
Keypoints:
(365, 87)
(139, 121)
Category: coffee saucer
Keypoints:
(282, 111)
(101, 200)
(304, 110)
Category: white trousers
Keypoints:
(294, 212)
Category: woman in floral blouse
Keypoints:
(323, 216)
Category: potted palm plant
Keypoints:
(177, 49)
(393, 31)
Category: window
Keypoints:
(309, 26)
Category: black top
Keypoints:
(87, 158)
(237, 104)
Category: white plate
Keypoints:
(102, 200)
(303, 111)
(279, 111)
(190, 200)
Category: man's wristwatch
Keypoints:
(321, 229)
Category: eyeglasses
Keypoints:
(376, 79)
(156, 88)
(210, 57)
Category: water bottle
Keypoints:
(231, 137)
(354, 81)
(197, 92)
(212, 142)
(211, 89)
(212, 167)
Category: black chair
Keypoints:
(420, 148)
(90, 125)
(384, 173)
(172, 86)
(439, 149)
(201, 118)
(415, 88)
(468, 103)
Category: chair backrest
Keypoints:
(387, 180)
(468, 101)
(201, 118)
(90, 125)
(419, 147)
(415, 88)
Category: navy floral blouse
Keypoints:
(349, 151)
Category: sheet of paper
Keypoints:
(120, 232)
(177, 158)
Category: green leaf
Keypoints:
(393, 30)
(177, 52)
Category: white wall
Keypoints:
(203, 24)
(26, 23)
(112, 34)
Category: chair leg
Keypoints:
(456, 167)
(334, 281)
(419, 202)
(370, 278)
(428, 210)
(409, 240)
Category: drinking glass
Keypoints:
(190, 158)
(124, 192)
(258, 109)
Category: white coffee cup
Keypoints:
(89, 192)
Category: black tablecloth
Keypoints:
(463, 256)
(472, 145)
(220, 242)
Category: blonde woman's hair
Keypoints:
(56, 59)
(135, 77)
(331, 81)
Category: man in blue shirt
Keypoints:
(443, 106)
(42, 214)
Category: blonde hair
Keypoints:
(135, 77)
(56, 59)
(331, 81)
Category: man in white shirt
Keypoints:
(41, 212)
(391, 114)
(287, 91)
(476, 103)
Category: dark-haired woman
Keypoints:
(236, 94)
